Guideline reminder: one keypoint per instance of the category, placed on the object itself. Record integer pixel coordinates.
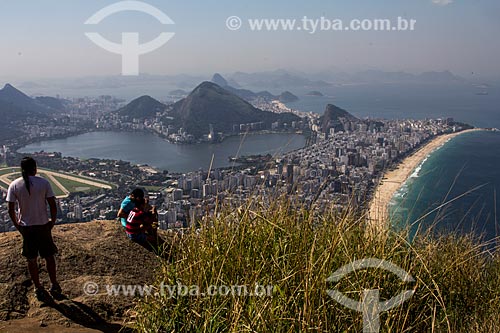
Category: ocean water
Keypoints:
(455, 188)
(452, 173)
(390, 101)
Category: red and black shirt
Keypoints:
(136, 218)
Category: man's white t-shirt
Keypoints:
(33, 205)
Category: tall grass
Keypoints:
(457, 283)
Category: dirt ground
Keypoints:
(95, 252)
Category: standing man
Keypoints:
(32, 193)
(129, 203)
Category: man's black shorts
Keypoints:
(37, 240)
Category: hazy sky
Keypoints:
(45, 38)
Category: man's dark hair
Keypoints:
(140, 201)
(28, 167)
(138, 193)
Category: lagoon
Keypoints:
(146, 148)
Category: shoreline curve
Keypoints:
(392, 180)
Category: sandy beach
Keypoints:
(378, 213)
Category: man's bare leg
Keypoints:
(51, 269)
(33, 269)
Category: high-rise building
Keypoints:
(177, 194)
(289, 173)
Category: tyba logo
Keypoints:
(370, 304)
(129, 49)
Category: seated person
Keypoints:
(140, 226)
(128, 204)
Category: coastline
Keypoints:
(378, 212)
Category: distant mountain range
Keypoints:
(22, 102)
(16, 106)
(378, 76)
(284, 79)
(315, 81)
(208, 104)
(272, 81)
(249, 95)
(277, 80)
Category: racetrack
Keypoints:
(5, 178)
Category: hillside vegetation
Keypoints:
(456, 287)
(288, 254)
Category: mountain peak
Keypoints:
(332, 110)
(145, 98)
(142, 107)
(210, 104)
(333, 116)
(207, 85)
(287, 97)
(20, 100)
(9, 89)
(218, 79)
